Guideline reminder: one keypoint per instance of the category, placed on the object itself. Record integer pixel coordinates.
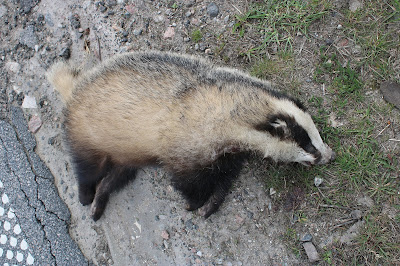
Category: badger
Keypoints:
(197, 120)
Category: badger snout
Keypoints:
(327, 156)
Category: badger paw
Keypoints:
(209, 207)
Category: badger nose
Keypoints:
(333, 156)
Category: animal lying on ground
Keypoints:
(197, 120)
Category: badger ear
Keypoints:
(276, 126)
(280, 128)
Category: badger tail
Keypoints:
(63, 77)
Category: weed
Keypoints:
(196, 35)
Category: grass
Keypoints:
(366, 163)
(278, 21)
(196, 36)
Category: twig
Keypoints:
(301, 47)
(323, 88)
(237, 9)
(344, 223)
(397, 140)
(334, 206)
(388, 125)
(98, 43)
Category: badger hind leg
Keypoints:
(206, 189)
(116, 179)
(90, 170)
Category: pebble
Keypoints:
(34, 123)
(137, 32)
(186, 39)
(28, 37)
(306, 238)
(48, 20)
(339, 27)
(130, 8)
(29, 102)
(226, 19)
(318, 181)
(212, 10)
(365, 201)
(13, 67)
(75, 22)
(356, 214)
(391, 92)
(272, 191)
(199, 253)
(208, 51)
(311, 252)
(354, 5)
(158, 18)
(65, 53)
(165, 234)
(329, 41)
(169, 33)
(27, 5)
(189, 13)
(351, 233)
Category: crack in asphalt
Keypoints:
(28, 200)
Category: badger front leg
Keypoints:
(207, 187)
(116, 179)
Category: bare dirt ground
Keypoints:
(145, 223)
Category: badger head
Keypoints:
(289, 134)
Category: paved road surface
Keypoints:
(33, 219)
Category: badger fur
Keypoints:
(197, 120)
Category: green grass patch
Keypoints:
(196, 35)
(375, 29)
(278, 21)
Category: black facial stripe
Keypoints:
(294, 132)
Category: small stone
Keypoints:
(196, 46)
(356, 214)
(391, 92)
(311, 252)
(34, 123)
(212, 10)
(354, 5)
(124, 39)
(102, 9)
(165, 244)
(199, 253)
(318, 181)
(130, 8)
(75, 21)
(29, 102)
(158, 18)
(125, 33)
(186, 39)
(208, 51)
(306, 238)
(189, 13)
(351, 233)
(365, 201)
(339, 27)
(28, 37)
(137, 32)
(165, 234)
(13, 67)
(329, 41)
(272, 191)
(169, 33)
(226, 19)
(202, 46)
